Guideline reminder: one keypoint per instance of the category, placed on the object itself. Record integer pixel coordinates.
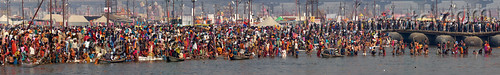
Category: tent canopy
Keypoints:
(77, 20)
(269, 21)
(55, 17)
(103, 19)
(4, 18)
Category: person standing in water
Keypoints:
(487, 48)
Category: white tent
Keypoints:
(55, 17)
(103, 19)
(269, 21)
(77, 20)
(4, 19)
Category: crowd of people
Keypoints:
(449, 26)
(91, 44)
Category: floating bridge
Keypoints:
(435, 37)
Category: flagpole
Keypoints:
(249, 12)
(107, 13)
(50, 12)
(193, 10)
(36, 12)
(22, 7)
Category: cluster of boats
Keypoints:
(41, 60)
(166, 58)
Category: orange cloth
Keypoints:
(14, 46)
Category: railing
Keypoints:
(492, 33)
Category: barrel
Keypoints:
(473, 41)
(419, 37)
(444, 39)
(495, 41)
(395, 36)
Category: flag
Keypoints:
(122, 37)
(463, 17)
(279, 19)
(265, 11)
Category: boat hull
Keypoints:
(239, 58)
(112, 61)
(330, 56)
(173, 59)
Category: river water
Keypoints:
(431, 64)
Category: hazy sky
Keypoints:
(401, 6)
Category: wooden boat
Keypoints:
(239, 57)
(323, 55)
(173, 59)
(112, 61)
(149, 58)
(334, 51)
(118, 61)
(249, 54)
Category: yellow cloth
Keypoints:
(219, 50)
(87, 58)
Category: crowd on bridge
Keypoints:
(91, 44)
(407, 24)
